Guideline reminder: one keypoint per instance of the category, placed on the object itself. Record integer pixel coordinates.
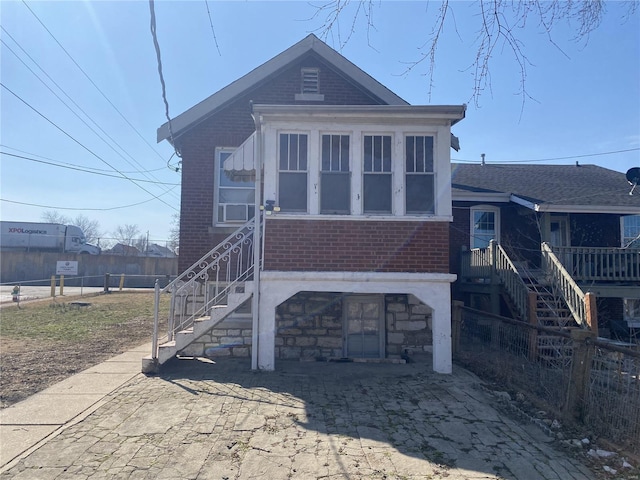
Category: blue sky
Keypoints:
(585, 97)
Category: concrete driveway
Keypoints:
(219, 420)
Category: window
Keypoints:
(292, 176)
(632, 312)
(377, 174)
(335, 179)
(235, 194)
(419, 178)
(630, 231)
(485, 226)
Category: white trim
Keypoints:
(360, 279)
(552, 208)
(483, 208)
(363, 218)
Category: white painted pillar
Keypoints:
(442, 353)
(266, 347)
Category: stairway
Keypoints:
(204, 295)
(201, 325)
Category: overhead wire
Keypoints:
(139, 170)
(81, 169)
(76, 114)
(82, 145)
(93, 83)
(571, 157)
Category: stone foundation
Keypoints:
(309, 326)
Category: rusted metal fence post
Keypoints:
(578, 388)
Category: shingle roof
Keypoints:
(562, 188)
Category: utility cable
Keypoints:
(549, 159)
(80, 169)
(93, 83)
(82, 145)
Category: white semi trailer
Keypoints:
(40, 237)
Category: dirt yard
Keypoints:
(44, 342)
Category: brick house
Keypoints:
(353, 190)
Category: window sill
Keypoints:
(363, 218)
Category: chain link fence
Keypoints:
(569, 372)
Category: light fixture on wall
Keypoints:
(270, 207)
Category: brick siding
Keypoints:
(229, 127)
(358, 246)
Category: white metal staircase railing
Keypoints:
(207, 284)
(565, 284)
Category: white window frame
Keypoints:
(216, 191)
(482, 209)
(626, 240)
(389, 173)
(338, 171)
(420, 172)
(306, 171)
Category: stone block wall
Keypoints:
(230, 338)
(408, 323)
(309, 326)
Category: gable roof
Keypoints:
(547, 188)
(311, 43)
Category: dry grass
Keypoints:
(44, 342)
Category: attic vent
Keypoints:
(310, 80)
(310, 88)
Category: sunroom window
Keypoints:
(419, 176)
(292, 172)
(377, 174)
(235, 194)
(335, 177)
(631, 231)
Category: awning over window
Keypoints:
(241, 163)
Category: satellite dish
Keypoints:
(633, 177)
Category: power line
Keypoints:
(83, 146)
(92, 82)
(88, 169)
(215, 40)
(164, 89)
(76, 208)
(552, 159)
(79, 169)
(139, 170)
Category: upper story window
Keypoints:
(234, 194)
(335, 177)
(630, 231)
(310, 85)
(419, 177)
(485, 226)
(377, 177)
(292, 172)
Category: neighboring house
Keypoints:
(124, 250)
(584, 215)
(155, 250)
(355, 189)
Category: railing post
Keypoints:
(456, 325)
(533, 320)
(578, 387)
(591, 313)
(156, 321)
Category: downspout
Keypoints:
(255, 304)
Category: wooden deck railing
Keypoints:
(565, 284)
(600, 264)
(493, 264)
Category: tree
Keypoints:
(126, 233)
(91, 228)
(499, 27)
(174, 233)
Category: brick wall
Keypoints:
(229, 127)
(357, 246)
